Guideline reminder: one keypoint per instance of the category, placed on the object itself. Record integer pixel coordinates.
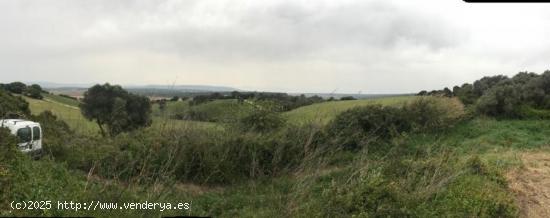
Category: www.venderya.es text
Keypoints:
(98, 205)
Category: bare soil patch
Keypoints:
(531, 184)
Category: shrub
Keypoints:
(432, 113)
(12, 106)
(56, 133)
(262, 120)
(16, 87)
(347, 98)
(503, 100)
(359, 125)
(34, 91)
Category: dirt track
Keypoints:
(531, 184)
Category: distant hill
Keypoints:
(74, 89)
(357, 96)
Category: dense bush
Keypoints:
(347, 98)
(15, 87)
(356, 126)
(198, 156)
(12, 106)
(34, 91)
(502, 100)
(262, 120)
(287, 102)
(525, 95)
(433, 113)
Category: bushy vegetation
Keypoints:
(525, 95)
(116, 109)
(33, 91)
(404, 157)
(220, 111)
(286, 102)
(12, 106)
(372, 122)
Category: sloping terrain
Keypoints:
(326, 111)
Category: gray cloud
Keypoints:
(280, 45)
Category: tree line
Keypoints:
(525, 95)
(33, 91)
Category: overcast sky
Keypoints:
(347, 46)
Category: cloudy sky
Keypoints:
(347, 46)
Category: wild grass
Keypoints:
(453, 172)
(68, 113)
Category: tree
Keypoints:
(502, 100)
(16, 87)
(486, 83)
(346, 98)
(115, 110)
(175, 98)
(34, 91)
(12, 106)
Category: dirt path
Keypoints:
(531, 184)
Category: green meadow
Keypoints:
(295, 171)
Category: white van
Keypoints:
(28, 132)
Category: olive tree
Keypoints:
(115, 110)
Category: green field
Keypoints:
(458, 171)
(61, 99)
(219, 111)
(65, 109)
(324, 112)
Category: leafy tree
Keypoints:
(12, 106)
(503, 100)
(16, 87)
(116, 109)
(345, 98)
(466, 94)
(486, 83)
(175, 98)
(34, 91)
(447, 92)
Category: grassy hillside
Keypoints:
(324, 112)
(221, 111)
(67, 110)
(294, 171)
(61, 99)
(172, 108)
(64, 109)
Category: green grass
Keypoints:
(61, 99)
(224, 110)
(68, 113)
(172, 108)
(425, 174)
(431, 178)
(72, 116)
(220, 111)
(324, 112)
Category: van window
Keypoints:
(36, 133)
(24, 134)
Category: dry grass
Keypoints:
(531, 184)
